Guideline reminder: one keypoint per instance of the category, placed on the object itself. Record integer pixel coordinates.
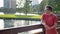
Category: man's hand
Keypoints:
(54, 26)
(47, 27)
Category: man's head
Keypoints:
(48, 9)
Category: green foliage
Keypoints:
(26, 9)
(36, 8)
(42, 5)
(55, 4)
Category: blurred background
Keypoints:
(15, 13)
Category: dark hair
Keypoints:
(49, 7)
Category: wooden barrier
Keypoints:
(21, 29)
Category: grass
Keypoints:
(7, 16)
(19, 16)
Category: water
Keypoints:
(7, 23)
(1, 23)
(16, 23)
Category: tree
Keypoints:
(55, 4)
(43, 4)
(27, 7)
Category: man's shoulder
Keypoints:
(44, 14)
(54, 15)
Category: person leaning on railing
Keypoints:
(49, 20)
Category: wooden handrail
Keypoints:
(21, 29)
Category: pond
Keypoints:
(7, 23)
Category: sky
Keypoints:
(34, 2)
(39, 1)
(1, 3)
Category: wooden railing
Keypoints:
(21, 29)
(58, 26)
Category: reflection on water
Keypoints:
(15, 23)
(6, 23)
(25, 22)
(1, 23)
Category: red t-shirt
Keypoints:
(49, 19)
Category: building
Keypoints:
(10, 6)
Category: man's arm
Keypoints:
(43, 22)
(46, 26)
(54, 25)
(55, 21)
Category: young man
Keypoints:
(49, 20)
